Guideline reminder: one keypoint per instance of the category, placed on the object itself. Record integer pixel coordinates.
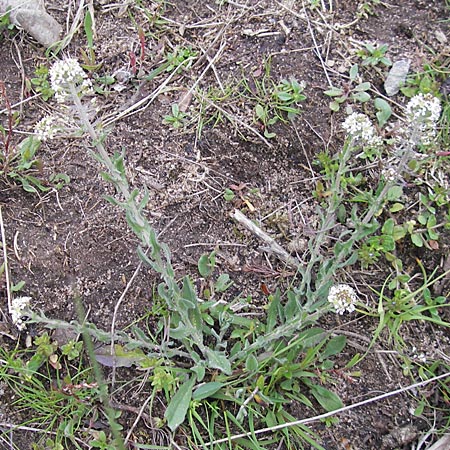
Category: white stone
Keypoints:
(396, 76)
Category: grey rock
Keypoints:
(34, 19)
(396, 76)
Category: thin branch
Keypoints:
(274, 248)
(5, 258)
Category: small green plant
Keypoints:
(6, 27)
(367, 8)
(372, 56)
(40, 83)
(406, 305)
(353, 91)
(24, 167)
(176, 119)
(181, 58)
(276, 102)
(102, 442)
(424, 82)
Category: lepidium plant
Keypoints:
(230, 355)
(199, 331)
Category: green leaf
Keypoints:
(206, 390)
(417, 239)
(361, 97)
(17, 287)
(398, 233)
(228, 195)
(28, 148)
(273, 312)
(218, 360)
(312, 337)
(333, 347)
(119, 357)
(327, 399)
(179, 405)
(353, 73)
(251, 363)
(206, 264)
(394, 193)
(199, 371)
(362, 87)
(396, 207)
(334, 106)
(88, 29)
(334, 92)
(284, 96)
(268, 134)
(223, 282)
(260, 112)
(384, 111)
(388, 226)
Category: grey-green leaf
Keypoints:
(206, 264)
(353, 73)
(251, 363)
(218, 360)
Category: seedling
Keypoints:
(372, 56)
(350, 91)
(179, 59)
(277, 102)
(176, 119)
(40, 82)
(421, 82)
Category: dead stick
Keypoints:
(274, 248)
(5, 263)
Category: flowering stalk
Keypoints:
(422, 114)
(68, 81)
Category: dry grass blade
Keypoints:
(5, 262)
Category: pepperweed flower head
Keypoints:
(422, 114)
(19, 306)
(46, 128)
(360, 128)
(343, 298)
(65, 74)
(390, 174)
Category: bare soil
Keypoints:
(74, 241)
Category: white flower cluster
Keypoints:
(343, 298)
(390, 174)
(18, 308)
(46, 128)
(66, 74)
(422, 113)
(360, 128)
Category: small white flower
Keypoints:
(343, 298)
(360, 128)
(422, 114)
(46, 128)
(65, 74)
(390, 174)
(19, 306)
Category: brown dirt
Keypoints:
(75, 241)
